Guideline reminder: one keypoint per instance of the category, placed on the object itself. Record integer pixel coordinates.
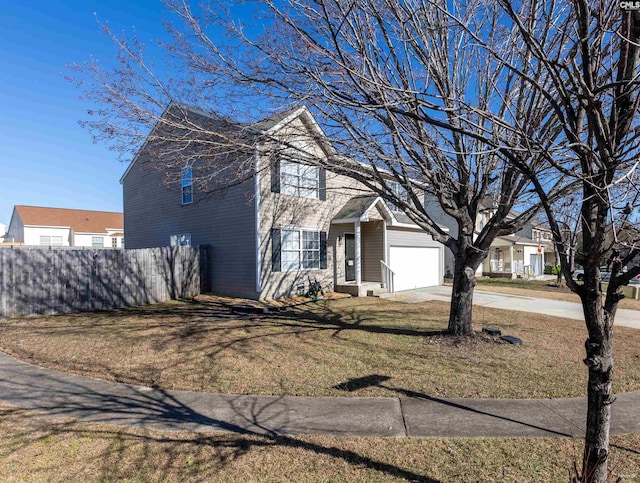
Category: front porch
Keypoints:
(365, 289)
(361, 247)
(378, 250)
(519, 259)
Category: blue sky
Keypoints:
(46, 158)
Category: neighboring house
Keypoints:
(288, 221)
(523, 254)
(44, 226)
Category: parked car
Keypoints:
(605, 275)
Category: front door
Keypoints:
(349, 257)
(536, 264)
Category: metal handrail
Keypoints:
(387, 276)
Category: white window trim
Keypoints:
(184, 184)
(300, 249)
(297, 188)
(94, 240)
(396, 188)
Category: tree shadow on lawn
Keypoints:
(199, 333)
(255, 425)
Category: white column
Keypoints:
(385, 249)
(358, 257)
(511, 262)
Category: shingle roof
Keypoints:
(355, 207)
(268, 122)
(81, 221)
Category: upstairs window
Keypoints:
(186, 176)
(97, 241)
(400, 192)
(114, 242)
(299, 180)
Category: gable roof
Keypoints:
(80, 221)
(182, 118)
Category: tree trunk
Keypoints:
(599, 348)
(464, 280)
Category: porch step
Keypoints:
(376, 292)
(366, 289)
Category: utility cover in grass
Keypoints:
(491, 330)
(511, 339)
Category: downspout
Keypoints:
(256, 205)
(358, 255)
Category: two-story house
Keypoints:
(279, 221)
(62, 227)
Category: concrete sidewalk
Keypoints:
(411, 414)
(557, 308)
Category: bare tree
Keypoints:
(404, 91)
(588, 53)
(464, 99)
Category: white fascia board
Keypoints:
(48, 226)
(304, 113)
(407, 225)
(345, 220)
(385, 208)
(276, 127)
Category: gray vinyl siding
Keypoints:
(224, 221)
(406, 237)
(372, 250)
(15, 232)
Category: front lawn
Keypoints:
(329, 348)
(38, 448)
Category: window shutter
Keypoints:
(276, 265)
(275, 176)
(323, 250)
(322, 184)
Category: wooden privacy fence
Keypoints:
(51, 281)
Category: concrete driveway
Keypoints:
(557, 308)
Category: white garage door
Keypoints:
(414, 267)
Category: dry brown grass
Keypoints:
(38, 448)
(316, 349)
(544, 290)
